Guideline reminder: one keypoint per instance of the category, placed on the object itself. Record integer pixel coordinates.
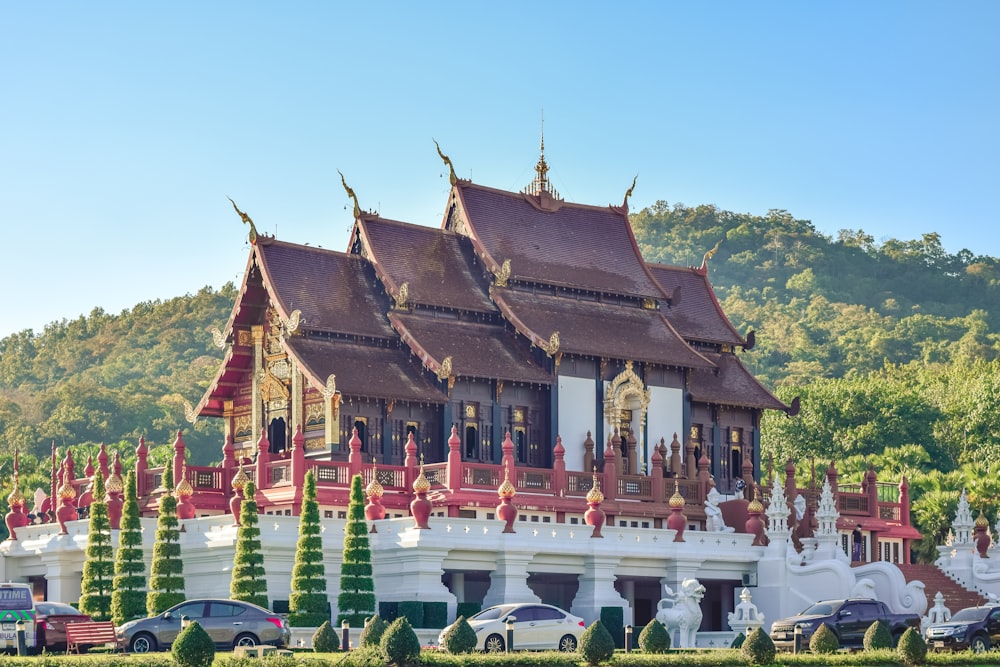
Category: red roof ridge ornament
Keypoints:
(350, 193)
(709, 255)
(246, 220)
(628, 193)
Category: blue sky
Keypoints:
(126, 125)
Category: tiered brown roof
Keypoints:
(433, 263)
(732, 384)
(570, 245)
(592, 328)
(477, 349)
(695, 312)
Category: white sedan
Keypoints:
(537, 627)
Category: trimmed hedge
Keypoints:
(877, 636)
(757, 648)
(435, 614)
(193, 647)
(459, 637)
(824, 641)
(613, 619)
(371, 636)
(468, 609)
(413, 612)
(912, 649)
(389, 611)
(400, 644)
(596, 644)
(654, 638)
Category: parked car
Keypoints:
(849, 620)
(540, 627)
(230, 623)
(51, 619)
(975, 628)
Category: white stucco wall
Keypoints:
(577, 415)
(665, 417)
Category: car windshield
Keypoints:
(821, 609)
(493, 613)
(55, 609)
(970, 614)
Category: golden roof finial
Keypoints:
(240, 479)
(452, 178)
(755, 504)
(350, 193)
(246, 220)
(981, 521)
(506, 489)
(628, 193)
(374, 489)
(541, 182)
(183, 488)
(420, 484)
(15, 497)
(676, 500)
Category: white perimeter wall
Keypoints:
(665, 417)
(577, 415)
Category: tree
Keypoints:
(166, 580)
(357, 590)
(98, 569)
(248, 582)
(128, 600)
(308, 603)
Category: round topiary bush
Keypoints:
(193, 647)
(459, 637)
(757, 648)
(596, 644)
(912, 648)
(654, 638)
(325, 639)
(400, 644)
(373, 631)
(824, 640)
(877, 636)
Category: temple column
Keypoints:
(458, 586)
(296, 399)
(509, 581)
(256, 407)
(411, 570)
(597, 589)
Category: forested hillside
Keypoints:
(893, 347)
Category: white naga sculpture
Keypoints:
(682, 611)
(713, 515)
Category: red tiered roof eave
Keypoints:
(696, 312)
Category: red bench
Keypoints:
(90, 633)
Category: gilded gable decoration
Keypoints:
(503, 274)
(452, 178)
(291, 325)
(244, 338)
(329, 390)
(271, 388)
(315, 414)
(444, 372)
(246, 220)
(553, 345)
(711, 253)
(350, 193)
(189, 414)
(404, 294)
(280, 368)
(628, 193)
(626, 387)
(218, 338)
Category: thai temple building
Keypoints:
(538, 414)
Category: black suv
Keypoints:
(976, 628)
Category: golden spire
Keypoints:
(420, 484)
(240, 479)
(66, 491)
(115, 484)
(15, 497)
(506, 489)
(541, 182)
(981, 521)
(676, 500)
(183, 488)
(755, 504)
(374, 489)
(595, 495)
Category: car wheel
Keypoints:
(568, 644)
(980, 644)
(246, 639)
(142, 643)
(494, 644)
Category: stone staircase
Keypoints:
(955, 595)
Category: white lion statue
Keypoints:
(682, 611)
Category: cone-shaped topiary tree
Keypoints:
(248, 583)
(757, 648)
(308, 604)
(654, 638)
(877, 636)
(325, 639)
(824, 640)
(399, 643)
(99, 567)
(596, 644)
(357, 590)
(166, 580)
(128, 600)
(459, 637)
(371, 636)
(912, 649)
(193, 647)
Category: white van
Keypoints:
(17, 603)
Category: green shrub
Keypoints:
(459, 637)
(193, 647)
(877, 636)
(596, 644)
(413, 611)
(469, 609)
(400, 644)
(372, 634)
(738, 641)
(912, 649)
(435, 614)
(325, 639)
(308, 604)
(613, 619)
(654, 638)
(824, 640)
(757, 648)
(389, 611)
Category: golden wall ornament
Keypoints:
(621, 391)
(404, 294)
(503, 274)
(553, 345)
(244, 338)
(189, 414)
(444, 372)
(292, 323)
(218, 338)
(271, 388)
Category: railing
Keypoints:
(849, 503)
(331, 473)
(534, 479)
(437, 474)
(392, 478)
(580, 483)
(634, 487)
